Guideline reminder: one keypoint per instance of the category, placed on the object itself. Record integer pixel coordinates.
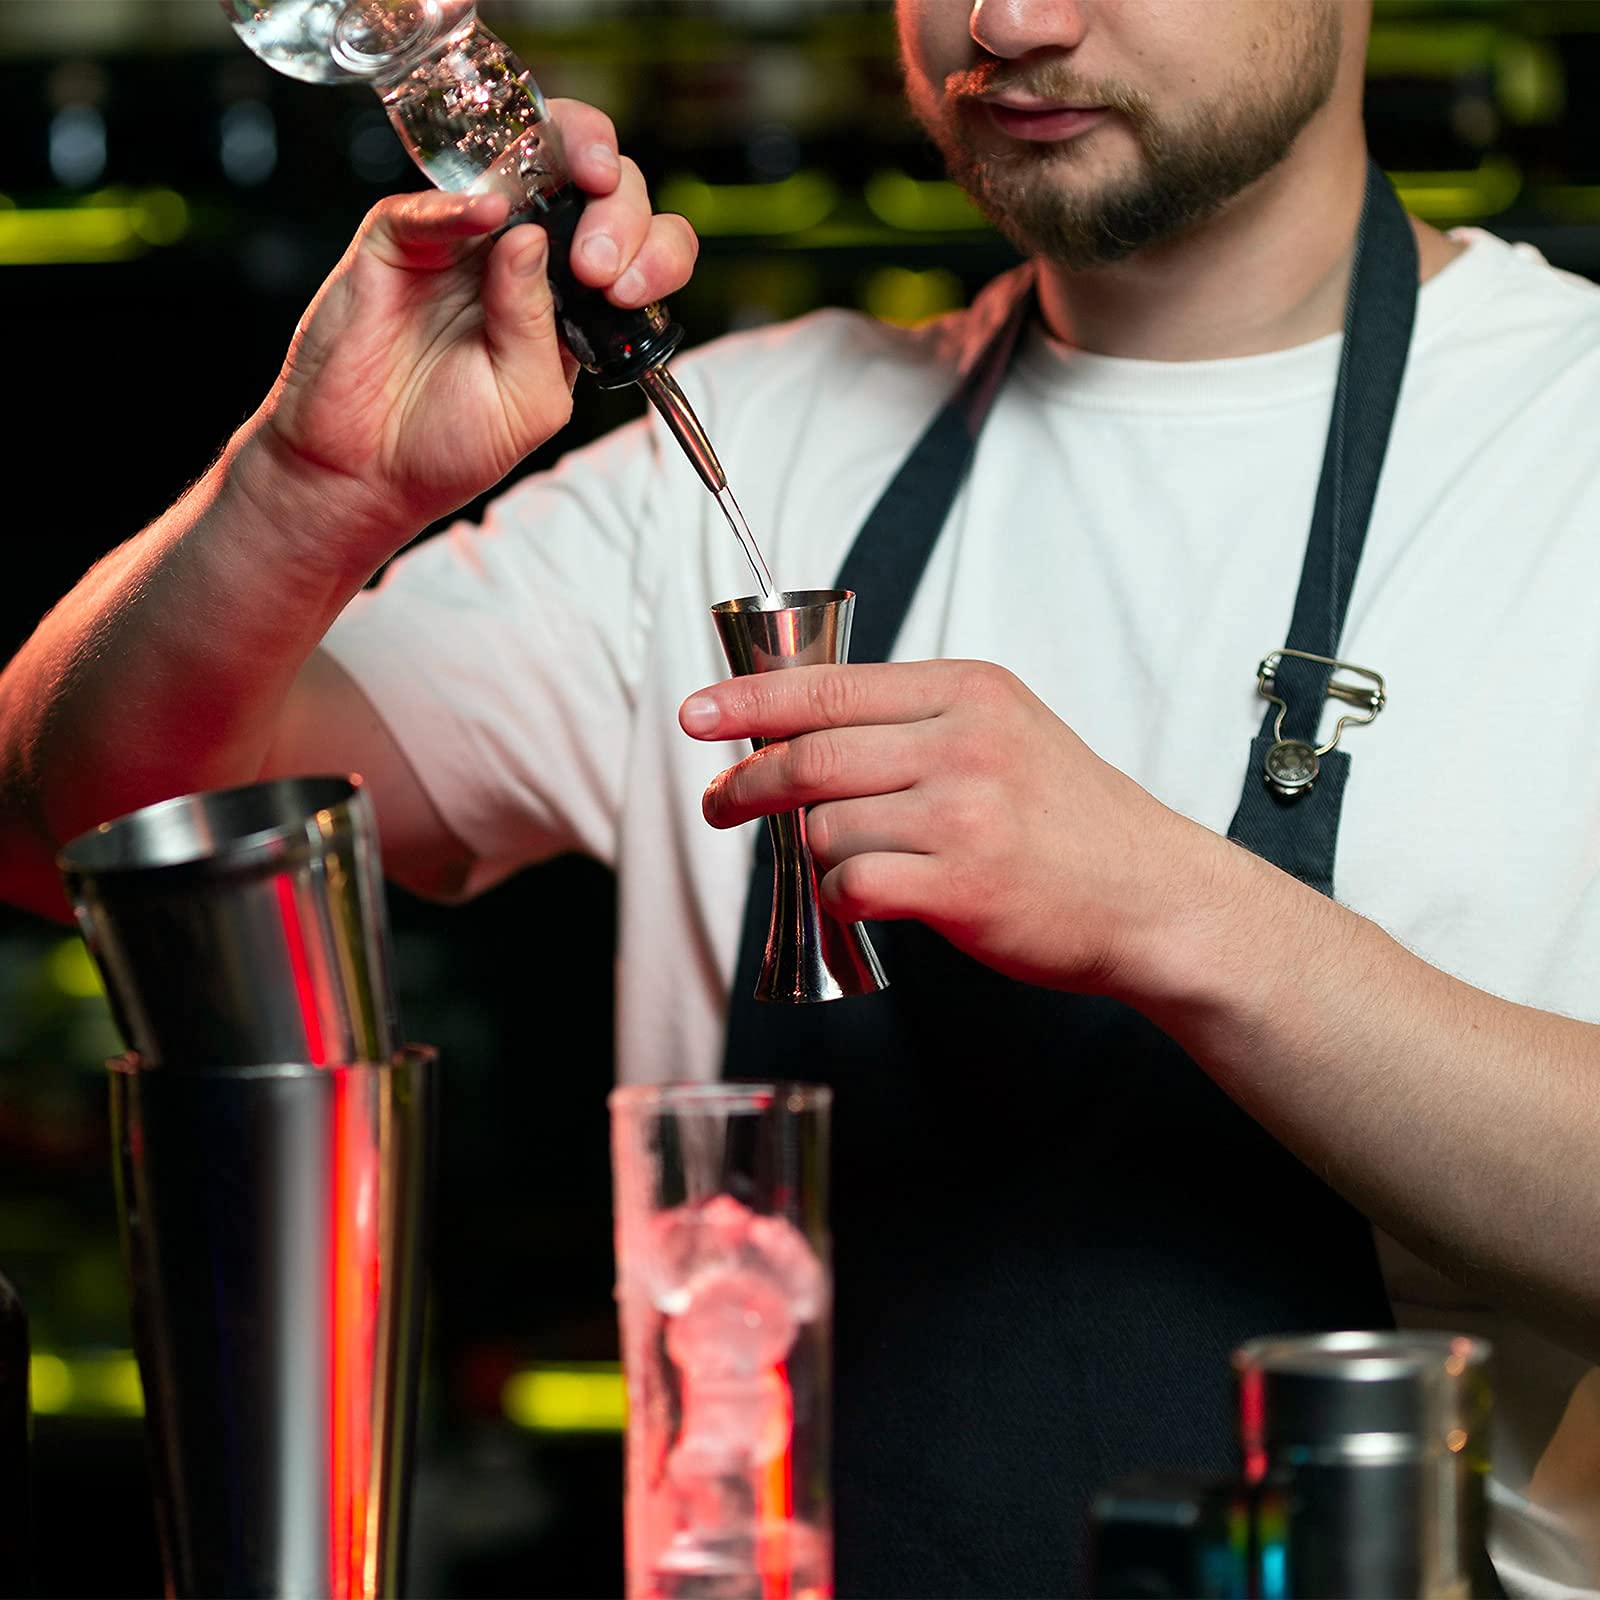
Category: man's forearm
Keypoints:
(164, 670)
(1466, 1126)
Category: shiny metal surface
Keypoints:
(809, 955)
(1370, 700)
(273, 1222)
(1376, 1447)
(242, 925)
(662, 390)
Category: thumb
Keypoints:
(520, 329)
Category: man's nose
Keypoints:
(1012, 28)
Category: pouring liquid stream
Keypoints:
(752, 551)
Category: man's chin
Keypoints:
(1031, 202)
(1076, 226)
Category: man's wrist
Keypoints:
(329, 524)
(1220, 947)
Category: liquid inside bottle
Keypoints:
(472, 118)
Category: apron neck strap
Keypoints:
(1380, 311)
(891, 551)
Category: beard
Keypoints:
(1189, 166)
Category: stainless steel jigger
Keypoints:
(810, 955)
(241, 926)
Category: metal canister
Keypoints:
(242, 926)
(1367, 1454)
(274, 1220)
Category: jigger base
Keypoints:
(810, 956)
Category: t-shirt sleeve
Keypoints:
(504, 658)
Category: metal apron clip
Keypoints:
(1292, 765)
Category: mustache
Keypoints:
(1054, 81)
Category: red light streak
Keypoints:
(300, 970)
(354, 1307)
(339, 1396)
(775, 1499)
(353, 1295)
(1252, 1422)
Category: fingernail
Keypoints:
(629, 286)
(601, 253)
(700, 714)
(602, 155)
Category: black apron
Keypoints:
(1050, 1227)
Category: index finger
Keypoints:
(794, 700)
(589, 142)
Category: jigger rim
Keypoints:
(790, 600)
(105, 850)
(131, 1064)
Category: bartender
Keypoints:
(1208, 1017)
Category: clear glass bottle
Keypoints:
(473, 119)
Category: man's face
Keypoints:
(1087, 129)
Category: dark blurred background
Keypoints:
(167, 207)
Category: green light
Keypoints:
(790, 205)
(575, 1397)
(1430, 49)
(1528, 77)
(904, 297)
(49, 1384)
(918, 206)
(1530, 81)
(582, 1397)
(72, 970)
(1455, 197)
(111, 226)
(101, 1385)
(161, 216)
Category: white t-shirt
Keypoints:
(1129, 543)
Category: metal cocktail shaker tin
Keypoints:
(1368, 1454)
(241, 926)
(274, 1220)
(272, 1148)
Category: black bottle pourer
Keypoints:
(618, 346)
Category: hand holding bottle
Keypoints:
(428, 365)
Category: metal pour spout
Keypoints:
(675, 410)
